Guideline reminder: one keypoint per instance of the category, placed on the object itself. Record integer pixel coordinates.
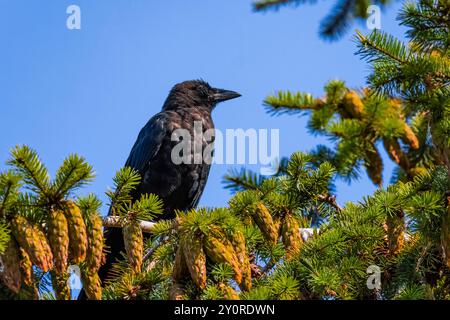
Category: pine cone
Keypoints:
(292, 239)
(228, 292)
(61, 286)
(32, 239)
(396, 153)
(26, 266)
(264, 221)
(223, 252)
(58, 237)
(94, 255)
(238, 242)
(353, 105)
(9, 272)
(195, 260)
(409, 137)
(180, 269)
(77, 232)
(395, 232)
(134, 245)
(374, 165)
(91, 284)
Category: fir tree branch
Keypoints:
(243, 180)
(148, 254)
(125, 181)
(378, 46)
(35, 174)
(331, 200)
(9, 189)
(74, 173)
(262, 5)
(290, 103)
(337, 22)
(118, 222)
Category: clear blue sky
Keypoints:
(90, 91)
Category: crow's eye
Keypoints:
(203, 92)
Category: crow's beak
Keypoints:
(224, 95)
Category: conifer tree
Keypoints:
(279, 237)
(404, 107)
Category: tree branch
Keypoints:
(117, 222)
(331, 200)
(263, 5)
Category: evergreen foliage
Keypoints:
(338, 20)
(279, 237)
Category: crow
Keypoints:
(179, 185)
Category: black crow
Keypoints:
(178, 185)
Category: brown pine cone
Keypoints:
(353, 105)
(32, 239)
(195, 260)
(409, 137)
(134, 245)
(264, 221)
(292, 239)
(58, 238)
(77, 232)
(223, 252)
(396, 232)
(9, 272)
(61, 286)
(374, 165)
(94, 255)
(180, 270)
(238, 242)
(228, 292)
(26, 266)
(91, 284)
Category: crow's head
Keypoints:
(197, 93)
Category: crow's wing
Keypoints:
(201, 185)
(148, 143)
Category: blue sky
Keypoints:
(90, 91)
